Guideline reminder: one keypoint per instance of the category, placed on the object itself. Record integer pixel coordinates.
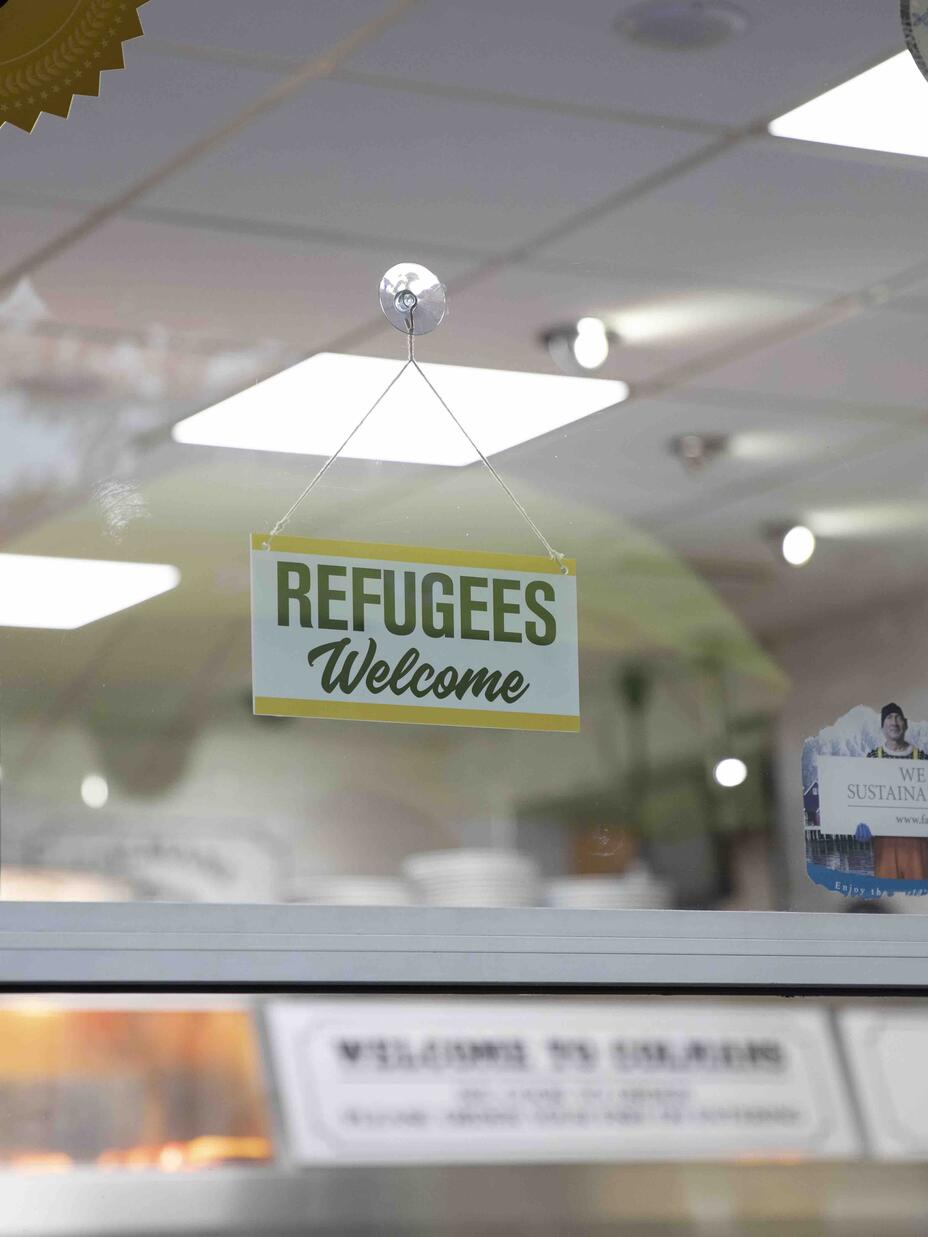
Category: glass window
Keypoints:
(613, 194)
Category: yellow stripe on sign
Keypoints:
(412, 554)
(359, 711)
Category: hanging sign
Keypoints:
(346, 629)
(503, 1082)
(865, 800)
(51, 50)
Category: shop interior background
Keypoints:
(767, 302)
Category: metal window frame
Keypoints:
(162, 946)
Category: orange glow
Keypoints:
(41, 1162)
(36, 1009)
(204, 1152)
(209, 1150)
(163, 1090)
(171, 1158)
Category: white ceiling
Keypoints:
(876, 357)
(213, 283)
(142, 117)
(568, 53)
(546, 168)
(285, 28)
(770, 212)
(378, 162)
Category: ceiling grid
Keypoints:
(630, 180)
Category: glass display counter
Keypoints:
(216, 1070)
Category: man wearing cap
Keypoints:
(894, 724)
(897, 858)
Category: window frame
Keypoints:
(266, 948)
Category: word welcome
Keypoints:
(392, 1053)
(344, 673)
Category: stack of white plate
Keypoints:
(637, 889)
(474, 878)
(349, 891)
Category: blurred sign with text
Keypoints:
(482, 1081)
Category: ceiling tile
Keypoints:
(854, 481)
(383, 163)
(784, 466)
(878, 496)
(867, 476)
(914, 300)
(290, 28)
(572, 53)
(145, 113)
(218, 284)
(770, 212)
(877, 358)
(619, 460)
(24, 228)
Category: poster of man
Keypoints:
(866, 826)
(898, 858)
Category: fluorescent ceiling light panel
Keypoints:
(310, 409)
(64, 593)
(882, 109)
(870, 519)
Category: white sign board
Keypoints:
(887, 1050)
(890, 797)
(408, 634)
(366, 1081)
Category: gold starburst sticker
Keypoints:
(51, 50)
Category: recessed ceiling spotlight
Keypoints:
(95, 790)
(796, 543)
(682, 25)
(581, 347)
(591, 345)
(730, 772)
(695, 451)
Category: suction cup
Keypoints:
(412, 298)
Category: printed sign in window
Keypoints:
(408, 634)
(479, 1082)
(865, 801)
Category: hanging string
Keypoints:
(556, 555)
(284, 520)
(288, 515)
